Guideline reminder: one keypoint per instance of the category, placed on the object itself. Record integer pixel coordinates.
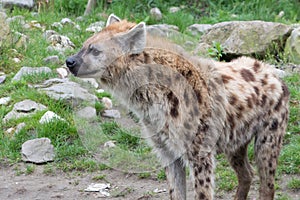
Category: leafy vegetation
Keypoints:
(72, 153)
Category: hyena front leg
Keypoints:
(202, 168)
(177, 180)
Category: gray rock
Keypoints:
(4, 100)
(60, 43)
(174, 9)
(111, 114)
(64, 89)
(2, 79)
(38, 151)
(24, 108)
(20, 3)
(163, 30)
(20, 40)
(57, 25)
(19, 128)
(67, 21)
(87, 113)
(30, 71)
(50, 116)
(95, 27)
(51, 59)
(49, 33)
(156, 13)
(197, 29)
(292, 47)
(91, 81)
(246, 37)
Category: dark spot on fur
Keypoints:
(278, 105)
(247, 75)
(226, 78)
(171, 191)
(264, 140)
(174, 103)
(272, 172)
(201, 182)
(271, 102)
(249, 102)
(256, 66)
(232, 99)
(271, 186)
(274, 125)
(263, 100)
(208, 179)
(256, 90)
(264, 82)
(198, 95)
(230, 119)
(202, 195)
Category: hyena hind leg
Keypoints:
(176, 178)
(267, 149)
(240, 163)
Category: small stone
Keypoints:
(95, 27)
(38, 150)
(62, 72)
(57, 25)
(51, 59)
(2, 79)
(66, 21)
(174, 9)
(97, 187)
(48, 33)
(109, 144)
(111, 114)
(87, 113)
(16, 60)
(10, 131)
(107, 103)
(100, 91)
(156, 190)
(19, 127)
(156, 13)
(36, 24)
(91, 81)
(4, 100)
(50, 116)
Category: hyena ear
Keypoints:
(112, 19)
(134, 41)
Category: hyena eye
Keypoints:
(94, 51)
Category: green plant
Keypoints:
(294, 184)
(161, 175)
(216, 51)
(29, 169)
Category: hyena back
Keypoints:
(192, 108)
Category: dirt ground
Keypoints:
(38, 186)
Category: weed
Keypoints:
(144, 175)
(161, 175)
(216, 51)
(294, 184)
(29, 169)
(98, 177)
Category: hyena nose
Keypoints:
(70, 62)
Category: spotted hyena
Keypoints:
(192, 108)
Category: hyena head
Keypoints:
(118, 38)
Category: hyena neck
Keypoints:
(158, 76)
